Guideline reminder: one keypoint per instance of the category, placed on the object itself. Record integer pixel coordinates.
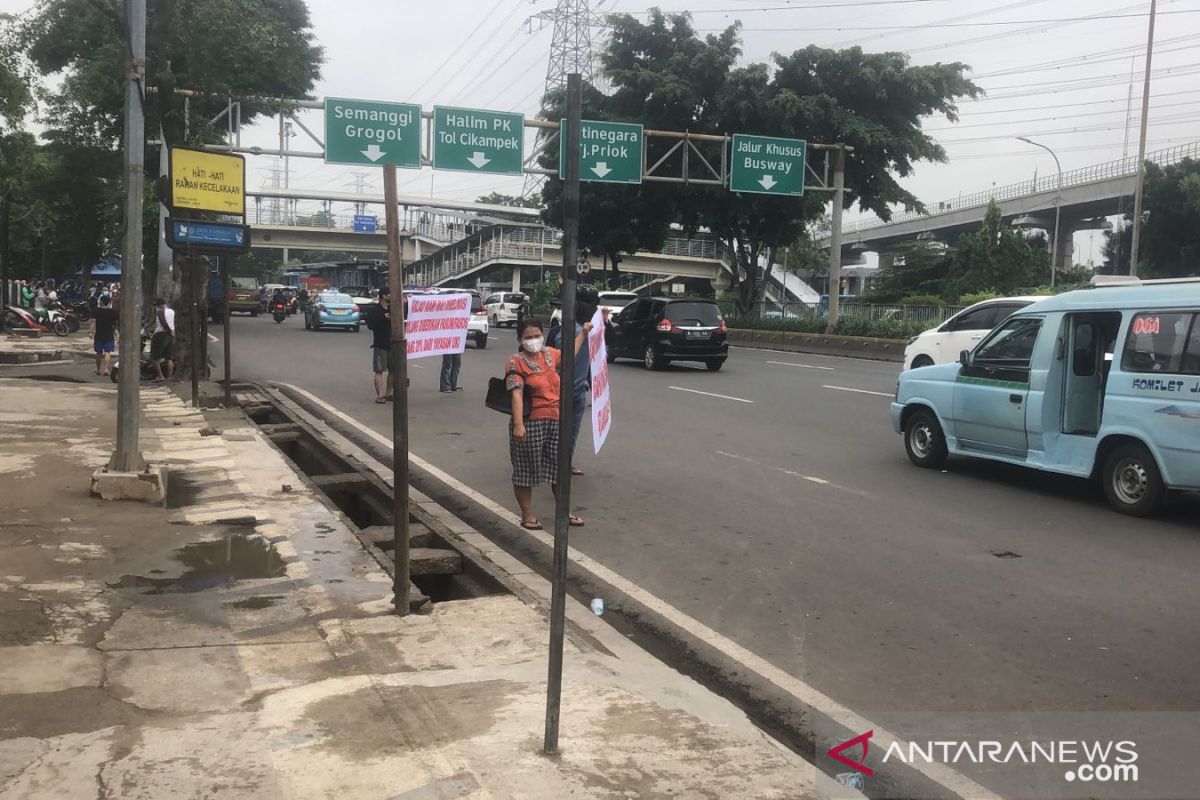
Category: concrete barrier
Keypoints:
(848, 346)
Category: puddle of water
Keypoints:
(261, 601)
(212, 564)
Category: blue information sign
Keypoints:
(365, 223)
(208, 237)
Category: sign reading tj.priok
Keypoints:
(368, 132)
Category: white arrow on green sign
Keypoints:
(372, 133)
(767, 165)
(609, 152)
(472, 140)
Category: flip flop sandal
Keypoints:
(574, 521)
(576, 471)
(381, 401)
(531, 526)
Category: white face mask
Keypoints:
(533, 345)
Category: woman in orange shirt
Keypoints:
(533, 442)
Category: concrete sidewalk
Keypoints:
(241, 644)
(17, 349)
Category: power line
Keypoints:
(1087, 83)
(1053, 119)
(1122, 100)
(485, 69)
(457, 50)
(959, 18)
(1086, 60)
(854, 4)
(1078, 129)
(1056, 21)
(479, 50)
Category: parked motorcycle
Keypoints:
(279, 312)
(58, 311)
(145, 365)
(16, 318)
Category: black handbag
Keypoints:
(499, 399)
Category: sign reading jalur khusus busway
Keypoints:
(205, 181)
(367, 132)
(609, 152)
(471, 140)
(767, 165)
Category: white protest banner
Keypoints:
(437, 324)
(601, 399)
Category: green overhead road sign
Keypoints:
(767, 165)
(367, 132)
(609, 152)
(471, 140)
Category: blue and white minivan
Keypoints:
(1101, 382)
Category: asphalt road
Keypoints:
(786, 516)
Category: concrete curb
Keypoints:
(820, 344)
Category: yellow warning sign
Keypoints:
(208, 181)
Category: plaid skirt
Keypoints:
(535, 460)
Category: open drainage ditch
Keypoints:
(438, 571)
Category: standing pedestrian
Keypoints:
(451, 365)
(162, 344)
(533, 442)
(586, 301)
(104, 334)
(379, 321)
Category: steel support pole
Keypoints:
(398, 357)
(1141, 161)
(562, 500)
(225, 329)
(126, 458)
(195, 344)
(835, 236)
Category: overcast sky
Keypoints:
(1049, 75)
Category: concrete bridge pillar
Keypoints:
(516, 279)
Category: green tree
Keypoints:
(220, 48)
(1170, 241)
(997, 257)
(16, 87)
(915, 269)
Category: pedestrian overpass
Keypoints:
(1087, 195)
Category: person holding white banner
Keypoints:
(533, 436)
(586, 301)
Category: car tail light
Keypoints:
(665, 326)
(722, 327)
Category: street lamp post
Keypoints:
(1057, 209)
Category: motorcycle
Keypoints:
(17, 318)
(56, 311)
(145, 365)
(279, 311)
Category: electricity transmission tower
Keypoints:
(571, 50)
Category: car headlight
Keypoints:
(910, 342)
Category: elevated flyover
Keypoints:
(1086, 193)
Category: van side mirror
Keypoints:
(964, 358)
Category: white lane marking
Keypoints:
(805, 693)
(709, 394)
(859, 391)
(795, 353)
(794, 474)
(802, 366)
(737, 457)
(212, 338)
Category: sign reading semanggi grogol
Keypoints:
(206, 181)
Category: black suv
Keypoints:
(658, 330)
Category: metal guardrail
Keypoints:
(1123, 167)
(929, 316)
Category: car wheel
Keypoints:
(652, 358)
(922, 361)
(1132, 482)
(924, 440)
(481, 340)
(714, 364)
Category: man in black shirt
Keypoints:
(104, 334)
(379, 321)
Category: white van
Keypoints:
(1102, 382)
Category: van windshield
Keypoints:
(703, 315)
(243, 283)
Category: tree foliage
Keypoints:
(1170, 240)
(668, 77)
(997, 257)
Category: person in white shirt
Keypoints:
(162, 344)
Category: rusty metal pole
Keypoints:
(398, 367)
(562, 508)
